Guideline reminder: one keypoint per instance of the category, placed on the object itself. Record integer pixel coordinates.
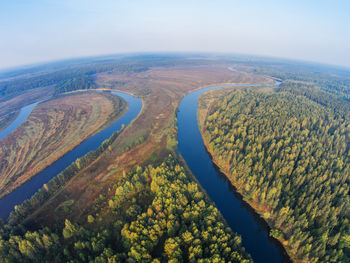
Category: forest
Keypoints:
(328, 79)
(157, 214)
(287, 153)
(78, 83)
(65, 79)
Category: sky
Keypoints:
(46, 30)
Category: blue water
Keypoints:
(238, 215)
(25, 191)
(22, 116)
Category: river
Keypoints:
(239, 216)
(25, 191)
(22, 116)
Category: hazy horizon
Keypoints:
(46, 31)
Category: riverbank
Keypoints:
(204, 109)
(52, 129)
(254, 208)
(30, 187)
(255, 237)
(142, 142)
(7, 119)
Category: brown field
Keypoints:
(52, 129)
(161, 90)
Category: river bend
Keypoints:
(29, 188)
(239, 216)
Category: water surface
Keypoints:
(22, 116)
(239, 216)
(25, 191)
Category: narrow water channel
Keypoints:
(22, 116)
(238, 215)
(25, 191)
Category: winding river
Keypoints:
(25, 191)
(240, 217)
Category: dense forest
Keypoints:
(288, 153)
(327, 79)
(83, 82)
(156, 215)
(79, 77)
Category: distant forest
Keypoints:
(64, 76)
(64, 80)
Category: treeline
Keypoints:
(329, 82)
(83, 82)
(157, 215)
(67, 78)
(288, 154)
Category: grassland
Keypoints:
(148, 139)
(9, 109)
(53, 128)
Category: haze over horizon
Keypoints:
(40, 31)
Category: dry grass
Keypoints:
(52, 129)
(161, 90)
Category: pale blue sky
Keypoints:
(45, 30)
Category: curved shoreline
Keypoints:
(257, 216)
(29, 188)
(239, 215)
(8, 189)
(235, 188)
(9, 120)
(23, 114)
